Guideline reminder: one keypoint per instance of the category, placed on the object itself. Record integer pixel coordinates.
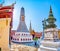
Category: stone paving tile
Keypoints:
(17, 47)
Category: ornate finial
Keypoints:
(2, 3)
(14, 3)
(50, 7)
(22, 7)
(22, 12)
(44, 23)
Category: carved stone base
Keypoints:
(49, 46)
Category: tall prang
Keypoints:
(22, 25)
(24, 36)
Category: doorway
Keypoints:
(0, 48)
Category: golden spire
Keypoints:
(14, 3)
(32, 32)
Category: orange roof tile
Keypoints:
(38, 34)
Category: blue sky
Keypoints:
(35, 11)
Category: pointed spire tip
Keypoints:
(50, 7)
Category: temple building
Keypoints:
(51, 38)
(22, 35)
(6, 16)
(51, 27)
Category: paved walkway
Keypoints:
(17, 47)
(39, 49)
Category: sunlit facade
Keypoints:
(6, 13)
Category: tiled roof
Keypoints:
(38, 34)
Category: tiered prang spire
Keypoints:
(22, 25)
(51, 20)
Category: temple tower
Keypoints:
(22, 25)
(50, 28)
(51, 39)
(51, 20)
(22, 35)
